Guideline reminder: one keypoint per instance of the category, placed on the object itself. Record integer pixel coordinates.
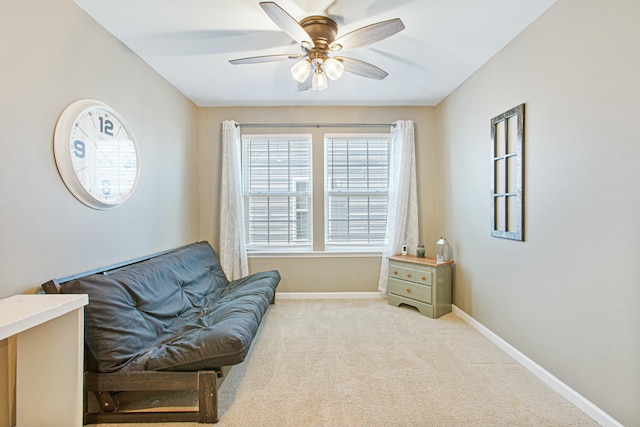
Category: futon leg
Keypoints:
(208, 396)
(107, 400)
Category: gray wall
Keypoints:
(320, 273)
(52, 53)
(568, 296)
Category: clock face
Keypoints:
(96, 154)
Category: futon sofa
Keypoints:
(172, 321)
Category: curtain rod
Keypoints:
(313, 125)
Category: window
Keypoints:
(356, 190)
(277, 191)
(278, 179)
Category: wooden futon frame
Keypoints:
(105, 386)
(203, 377)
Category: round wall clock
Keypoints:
(96, 154)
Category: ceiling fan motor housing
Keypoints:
(322, 31)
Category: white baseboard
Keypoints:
(328, 295)
(567, 392)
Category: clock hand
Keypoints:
(108, 159)
(100, 151)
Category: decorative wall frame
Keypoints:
(507, 165)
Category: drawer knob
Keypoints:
(408, 274)
(423, 278)
(408, 290)
(395, 273)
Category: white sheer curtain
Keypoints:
(402, 216)
(233, 249)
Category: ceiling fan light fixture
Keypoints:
(333, 68)
(300, 70)
(319, 81)
(316, 36)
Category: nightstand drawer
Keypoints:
(410, 290)
(409, 274)
(423, 276)
(395, 270)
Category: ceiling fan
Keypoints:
(320, 57)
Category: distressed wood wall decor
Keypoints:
(507, 190)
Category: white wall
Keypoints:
(52, 53)
(568, 296)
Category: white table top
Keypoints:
(21, 312)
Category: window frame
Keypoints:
(318, 245)
(345, 247)
(507, 183)
(246, 194)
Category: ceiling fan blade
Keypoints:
(206, 42)
(368, 34)
(362, 68)
(286, 23)
(264, 58)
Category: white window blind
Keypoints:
(357, 189)
(277, 191)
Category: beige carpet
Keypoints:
(366, 363)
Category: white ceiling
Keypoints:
(190, 43)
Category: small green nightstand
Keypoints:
(422, 283)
